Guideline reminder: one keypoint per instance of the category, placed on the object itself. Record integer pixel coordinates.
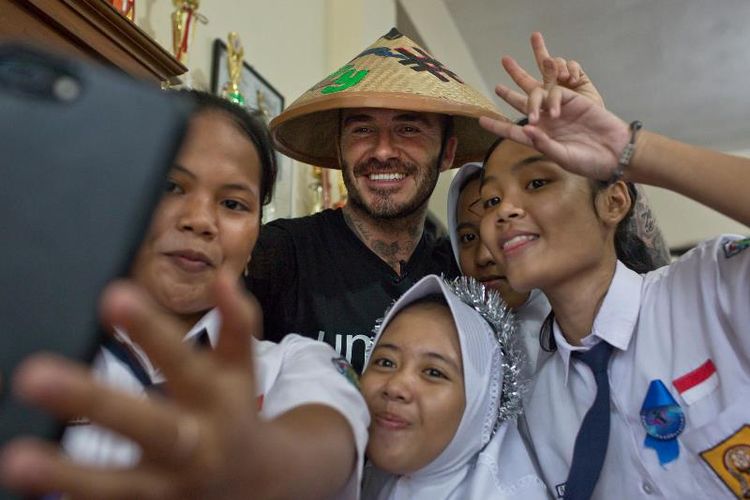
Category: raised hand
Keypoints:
(571, 129)
(199, 443)
(554, 70)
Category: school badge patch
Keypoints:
(732, 248)
(345, 369)
(730, 460)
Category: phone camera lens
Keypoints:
(66, 89)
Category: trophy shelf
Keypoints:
(92, 29)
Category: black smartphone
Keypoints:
(84, 152)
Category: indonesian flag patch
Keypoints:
(694, 385)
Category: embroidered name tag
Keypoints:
(730, 460)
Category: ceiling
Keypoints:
(682, 67)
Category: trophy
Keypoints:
(235, 55)
(125, 7)
(184, 15)
(343, 195)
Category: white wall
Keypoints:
(292, 43)
(285, 40)
(682, 221)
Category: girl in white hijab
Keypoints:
(441, 383)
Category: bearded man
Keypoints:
(391, 119)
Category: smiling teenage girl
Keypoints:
(441, 386)
(652, 370)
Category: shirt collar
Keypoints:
(211, 322)
(615, 321)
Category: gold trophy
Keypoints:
(235, 56)
(260, 99)
(183, 18)
(125, 7)
(343, 195)
(317, 188)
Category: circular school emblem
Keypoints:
(663, 422)
(345, 369)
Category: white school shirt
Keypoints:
(688, 325)
(530, 317)
(294, 372)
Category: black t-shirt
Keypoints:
(314, 276)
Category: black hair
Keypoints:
(629, 247)
(448, 125)
(252, 124)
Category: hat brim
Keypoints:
(310, 132)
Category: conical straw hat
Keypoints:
(392, 73)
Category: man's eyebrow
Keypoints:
(412, 117)
(517, 166)
(358, 118)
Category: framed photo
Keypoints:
(259, 95)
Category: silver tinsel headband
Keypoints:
(498, 315)
(502, 321)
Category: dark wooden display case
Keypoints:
(89, 28)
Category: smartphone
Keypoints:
(84, 152)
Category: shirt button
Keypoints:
(647, 488)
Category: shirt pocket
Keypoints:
(719, 452)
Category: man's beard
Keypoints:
(383, 207)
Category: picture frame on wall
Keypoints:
(259, 95)
(258, 92)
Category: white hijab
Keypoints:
(478, 462)
(454, 191)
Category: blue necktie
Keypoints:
(593, 436)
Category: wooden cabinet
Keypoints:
(90, 28)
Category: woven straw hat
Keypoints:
(392, 73)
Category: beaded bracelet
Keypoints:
(627, 153)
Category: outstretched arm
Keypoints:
(588, 140)
(206, 441)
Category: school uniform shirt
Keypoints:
(530, 317)
(313, 276)
(685, 325)
(295, 372)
